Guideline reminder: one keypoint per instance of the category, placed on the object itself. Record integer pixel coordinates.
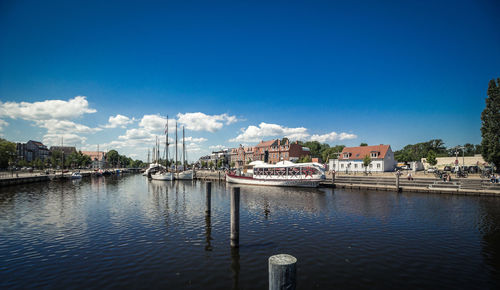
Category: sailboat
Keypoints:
(184, 174)
(164, 174)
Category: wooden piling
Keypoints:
(208, 198)
(398, 188)
(235, 217)
(282, 272)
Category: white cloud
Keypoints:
(217, 147)
(69, 139)
(63, 126)
(118, 121)
(46, 110)
(156, 123)
(138, 134)
(192, 139)
(202, 122)
(265, 130)
(333, 136)
(256, 134)
(3, 124)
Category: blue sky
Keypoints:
(236, 72)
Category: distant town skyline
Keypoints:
(110, 72)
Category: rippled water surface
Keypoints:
(131, 232)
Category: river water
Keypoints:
(130, 232)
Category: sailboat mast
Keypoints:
(175, 146)
(166, 145)
(183, 150)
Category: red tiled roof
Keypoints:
(358, 153)
(265, 143)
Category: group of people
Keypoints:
(494, 178)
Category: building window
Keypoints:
(371, 165)
(342, 165)
(378, 165)
(355, 165)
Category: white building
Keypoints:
(351, 159)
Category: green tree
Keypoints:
(56, 158)
(113, 158)
(366, 162)
(219, 163)
(490, 128)
(203, 164)
(363, 144)
(431, 158)
(304, 159)
(331, 152)
(7, 153)
(210, 164)
(232, 164)
(249, 161)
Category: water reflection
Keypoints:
(235, 267)
(129, 231)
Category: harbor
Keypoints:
(128, 231)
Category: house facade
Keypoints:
(351, 159)
(67, 150)
(272, 152)
(31, 151)
(98, 158)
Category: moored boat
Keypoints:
(76, 175)
(283, 173)
(163, 175)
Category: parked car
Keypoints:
(447, 168)
(431, 169)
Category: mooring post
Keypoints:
(208, 198)
(398, 188)
(219, 175)
(333, 177)
(282, 272)
(235, 217)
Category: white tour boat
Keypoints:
(284, 173)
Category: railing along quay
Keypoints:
(431, 185)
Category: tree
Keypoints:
(431, 158)
(203, 164)
(304, 159)
(366, 162)
(331, 152)
(112, 157)
(219, 163)
(210, 164)
(232, 164)
(363, 144)
(490, 128)
(7, 153)
(56, 158)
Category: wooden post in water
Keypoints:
(333, 178)
(219, 175)
(282, 272)
(235, 217)
(208, 199)
(398, 188)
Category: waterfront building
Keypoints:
(31, 151)
(67, 150)
(98, 158)
(274, 151)
(351, 159)
(223, 155)
(271, 152)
